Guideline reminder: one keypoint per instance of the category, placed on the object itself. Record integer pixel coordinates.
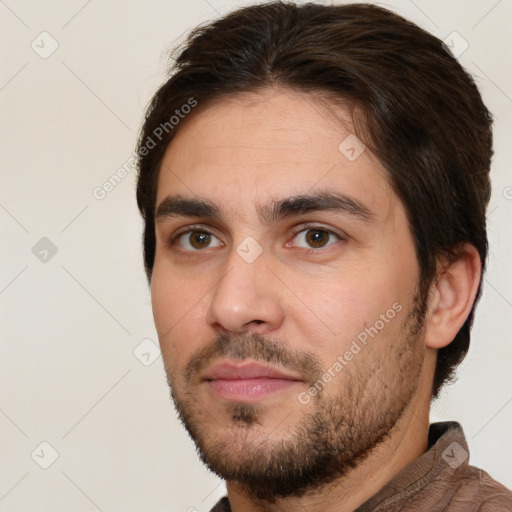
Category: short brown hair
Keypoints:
(418, 111)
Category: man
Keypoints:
(314, 181)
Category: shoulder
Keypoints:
(477, 490)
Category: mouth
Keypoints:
(247, 381)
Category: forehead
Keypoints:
(275, 143)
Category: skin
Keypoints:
(310, 302)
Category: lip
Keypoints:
(249, 369)
(247, 381)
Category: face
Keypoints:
(284, 292)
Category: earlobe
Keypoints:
(452, 296)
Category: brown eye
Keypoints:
(198, 240)
(315, 238)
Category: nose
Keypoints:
(246, 299)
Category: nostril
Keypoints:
(252, 323)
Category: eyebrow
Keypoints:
(318, 201)
(177, 206)
(276, 210)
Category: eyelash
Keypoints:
(315, 227)
(304, 227)
(190, 229)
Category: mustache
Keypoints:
(257, 347)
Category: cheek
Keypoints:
(343, 307)
(348, 301)
(176, 310)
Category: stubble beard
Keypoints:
(335, 436)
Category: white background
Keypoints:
(69, 325)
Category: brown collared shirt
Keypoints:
(440, 480)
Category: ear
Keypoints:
(451, 297)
